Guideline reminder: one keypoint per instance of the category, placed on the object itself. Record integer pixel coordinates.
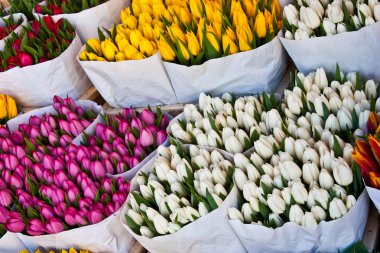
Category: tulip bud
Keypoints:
(276, 203)
(335, 13)
(309, 220)
(318, 213)
(296, 214)
(290, 170)
(233, 145)
(337, 208)
(235, 214)
(310, 172)
(299, 192)
(343, 174)
(350, 202)
(240, 178)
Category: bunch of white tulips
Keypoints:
(314, 18)
(226, 123)
(184, 184)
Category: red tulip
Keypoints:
(54, 226)
(38, 9)
(48, 22)
(14, 223)
(25, 59)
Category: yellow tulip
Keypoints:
(212, 39)
(11, 107)
(72, 250)
(260, 26)
(168, 16)
(130, 51)
(175, 10)
(3, 109)
(135, 38)
(268, 19)
(239, 18)
(192, 43)
(230, 33)
(175, 32)
(146, 47)
(119, 37)
(245, 31)
(244, 44)
(166, 51)
(217, 27)
(209, 8)
(250, 8)
(196, 8)
(63, 251)
(227, 41)
(217, 16)
(158, 30)
(276, 9)
(201, 27)
(129, 21)
(158, 10)
(95, 45)
(184, 16)
(145, 2)
(123, 43)
(109, 49)
(184, 51)
(83, 55)
(100, 59)
(145, 17)
(148, 31)
(138, 56)
(120, 29)
(92, 56)
(136, 8)
(120, 56)
(147, 9)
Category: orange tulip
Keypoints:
(373, 122)
(375, 146)
(364, 157)
(374, 179)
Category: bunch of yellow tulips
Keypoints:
(71, 250)
(187, 32)
(8, 108)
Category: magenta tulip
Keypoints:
(26, 162)
(110, 209)
(53, 139)
(64, 110)
(108, 185)
(53, 124)
(73, 169)
(72, 116)
(57, 100)
(85, 123)
(90, 192)
(6, 145)
(119, 197)
(85, 203)
(58, 196)
(121, 167)
(69, 216)
(164, 122)
(15, 181)
(14, 223)
(38, 170)
(35, 227)
(47, 191)
(38, 156)
(48, 162)
(81, 218)
(70, 103)
(82, 152)
(46, 129)
(124, 187)
(35, 133)
(60, 177)
(81, 177)
(58, 151)
(118, 141)
(103, 155)
(134, 161)
(17, 138)
(68, 185)
(121, 149)
(109, 134)
(47, 212)
(60, 209)
(147, 117)
(3, 185)
(65, 140)
(76, 128)
(6, 175)
(35, 121)
(139, 151)
(79, 111)
(97, 170)
(19, 152)
(20, 171)
(54, 226)
(136, 123)
(130, 138)
(99, 131)
(161, 137)
(92, 141)
(95, 216)
(128, 113)
(10, 162)
(123, 128)
(48, 176)
(146, 138)
(4, 214)
(64, 125)
(5, 197)
(4, 132)
(115, 156)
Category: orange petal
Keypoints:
(375, 179)
(363, 147)
(373, 122)
(367, 163)
(375, 146)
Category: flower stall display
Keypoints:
(8, 108)
(305, 187)
(40, 63)
(312, 29)
(131, 52)
(179, 200)
(10, 24)
(85, 16)
(24, 7)
(59, 125)
(367, 155)
(71, 250)
(222, 46)
(125, 142)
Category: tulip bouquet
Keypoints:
(227, 123)
(71, 250)
(24, 7)
(41, 41)
(181, 185)
(126, 139)
(52, 7)
(323, 18)
(8, 26)
(8, 109)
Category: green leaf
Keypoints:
(264, 210)
(132, 225)
(211, 200)
(337, 74)
(338, 152)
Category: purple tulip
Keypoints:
(103, 155)
(147, 117)
(54, 226)
(127, 160)
(72, 116)
(136, 123)
(129, 138)
(4, 214)
(110, 209)
(153, 130)
(99, 131)
(53, 139)
(60, 209)
(10, 162)
(146, 138)
(90, 192)
(5, 197)
(34, 121)
(105, 198)
(164, 122)
(109, 134)
(57, 100)
(38, 156)
(48, 176)
(85, 123)
(60, 177)
(65, 140)
(48, 162)
(108, 166)
(81, 177)
(6, 175)
(124, 187)
(123, 128)
(119, 197)
(81, 218)
(17, 138)
(53, 124)
(82, 152)
(23, 197)
(36, 227)
(4, 132)
(20, 171)
(14, 223)
(128, 113)
(6, 145)
(95, 216)
(47, 212)
(118, 141)
(97, 170)
(85, 203)
(134, 161)
(58, 196)
(64, 110)
(79, 111)
(72, 148)
(69, 216)
(92, 141)
(121, 149)
(46, 129)
(121, 167)
(139, 151)
(65, 126)
(15, 181)
(161, 137)
(76, 128)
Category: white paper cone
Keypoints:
(374, 194)
(86, 104)
(36, 85)
(10, 243)
(353, 51)
(328, 236)
(16, 17)
(136, 83)
(210, 233)
(86, 22)
(243, 73)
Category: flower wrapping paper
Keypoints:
(210, 233)
(353, 51)
(36, 85)
(10, 243)
(249, 72)
(16, 17)
(374, 194)
(86, 22)
(131, 83)
(328, 236)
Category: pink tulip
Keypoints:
(70, 103)
(95, 216)
(54, 226)
(85, 123)
(68, 185)
(153, 129)
(60, 177)
(115, 156)
(76, 127)
(48, 162)
(127, 160)
(108, 166)
(65, 140)
(164, 122)
(86, 164)
(97, 170)
(110, 209)
(10, 162)
(47, 212)
(161, 137)
(90, 192)
(73, 169)
(4, 132)
(38, 170)
(103, 155)
(130, 138)
(136, 123)
(93, 154)
(128, 113)
(134, 161)
(60, 209)
(58, 152)
(35, 227)
(59, 164)
(108, 185)
(92, 141)
(146, 138)
(64, 110)
(123, 128)
(57, 100)
(3, 185)
(72, 148)
(35, 121)
(17, 138)
(79, 111)
(109, 134)
(5, 197)
(69, 216)
(121, 167)
(26, 162)
(147, 117)
(19, 152)
(65, 126)
(107, 147)
(105, 198)
(119, 197)
(121, 149)
(53, 124)
(6, 145)
(4, 214)
(99, 131)
(81, 177)
(46, 129)
(47, 191)
(124, 187)
(48, 176)
(85, 203)
(35, 133)
(6, 175)
(58, 196)
(15, 181)
(14, 223)
(81, 218)
(53, 139)
(117, 141)
(38, 156)
(72, 116)
(20, 171)
(139, 151)
(82, 152)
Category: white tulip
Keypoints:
(289, 35)
(345, 119)
(173, 227)
(232, 123)
(346, 92)
(343, 174)
(304, 123)
(219, 176)
(300, 147)
(326, 136)
(220, 121)
(239, 117)
(249, 190)
(325, 179)
(248, 121)
(247, 212)
(289, 146)
(235, 214)
(275, 219)
(290, 170)
(340, 192)
(303, 133)
(193, 150)
(240, 178)
(356, 21)
(309, 220)
(294, 103)
(233, 145)
(337, 208)
(277, 181)
(216, 157)
(178, 189)
(276, 203)
(239, 104)
(226, 165)
(191, 213)
(202, 139)
(145, 231)
(263, 148)
(275, 160)
(341, 28)
(332, 123)
(296, 214)
(310, 155)
(227, 97)
(301, 35)
(217, 199)
(310, 172)
(160, 224)
(376, 12)
(252, 172)
(179, 215)
(335, 13)
(286, 195)
(164, 152)
(317, 6)
(242, 137)
(310, 17)
(146, 191)
(254, 203)
(318, 213)
(267, 180)
(162, 168)
(135, 216)
(179, 133)
(260, 194)
(219, 189)
(318, 104)
(204, 174)
(348, 149)
(366, 10)
(188, 111)
(226, 133)
(299, 192)
(214, 139)
(363, 119)
(335, 104)
(241, 161)
(321, 78)
(204, 100)
(370, 89)
(256, 160)
(369, 21)
(202, 209)
(322, 196)
(302, 26)
(350, 202)
(291, 14)
(273, 119)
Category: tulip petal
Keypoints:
(373, 122)
(367, 163)
(375, 146)
(375, 179)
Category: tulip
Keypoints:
(309, 220)
(337, 208)
(325, 179)
(291, 14)
(54, 226)
(5, 197)
(14, 223)
(235, 214)
(296, 214)
(310, 172)
(95, 216)
(299, 192)
(240, 178)
(35, 227)
(263, 148)
(342, 174)
(318, 213)
(290, 170)
(276, 203)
